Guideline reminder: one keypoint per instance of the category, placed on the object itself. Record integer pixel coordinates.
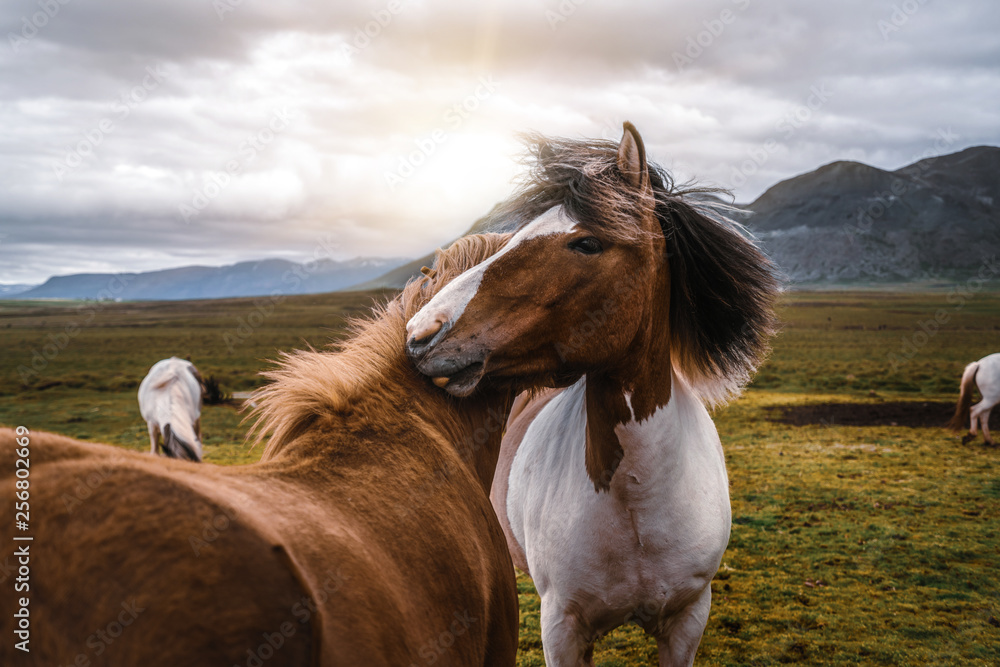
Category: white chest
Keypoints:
(659, 532)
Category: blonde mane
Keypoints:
(308, 383)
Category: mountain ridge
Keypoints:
(850, 223)
(843, 223)
(242, 279)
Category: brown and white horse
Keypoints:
(984, 374)
(365, 536)
(643, 304)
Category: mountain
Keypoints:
(10, 290)
(265, 277)
(847, 222)
(399, 276)
(851, 223)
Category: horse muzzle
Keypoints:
(454, 365)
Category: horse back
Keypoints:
(233, 565)
(171, 385)
(122, 571)
(988, 378)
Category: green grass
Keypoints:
(850, 545)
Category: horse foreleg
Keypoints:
(197, 427)
(154, 436)
(680, 634)
(563, 641)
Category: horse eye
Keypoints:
(588, 245)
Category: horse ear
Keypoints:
(606, 408)
(632, 157)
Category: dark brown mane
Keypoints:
(722, 286)
(583, 177)
(308, 383)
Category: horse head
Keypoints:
(612, 274)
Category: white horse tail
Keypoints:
(177, 447)
(961, 418)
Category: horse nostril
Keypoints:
(423, 336)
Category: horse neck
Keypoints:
(664, 444)
(645, 369)
(471, 427)
(667, 418)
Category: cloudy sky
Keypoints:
(146, 135)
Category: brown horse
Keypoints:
(612, 492)
(365, 535)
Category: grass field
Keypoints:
(852, 544)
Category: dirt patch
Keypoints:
(895, 413)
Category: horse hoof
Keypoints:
(966, 439)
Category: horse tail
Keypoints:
(961, 418)
(177, 448)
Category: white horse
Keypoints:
(985, 373)
(170, 402)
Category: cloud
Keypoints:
(122, 114)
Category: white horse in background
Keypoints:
(985, 373)
(170, 402)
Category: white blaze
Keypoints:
(450, 302)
